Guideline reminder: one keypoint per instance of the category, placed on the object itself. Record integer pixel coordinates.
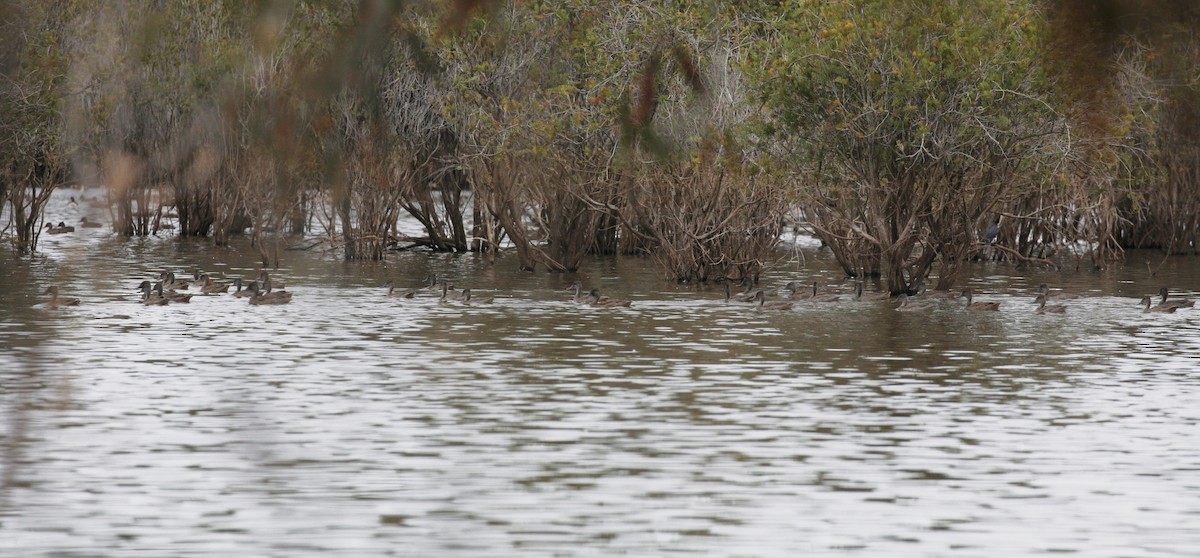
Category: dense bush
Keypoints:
(898, 131)
(913, 123)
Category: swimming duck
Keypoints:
(264, 278)
(431, 283)
(449, 295)
(152, 294)
(907, 306)
(748, 291)
(1043, 308)
(924, 292)
(584, 299)
(605, 302)
(985, 306)
(169, 294)
(739, 297)
(266, 297)
(174, 296)
(61, 228)
(271, 289)
(1177, 303)
(1157, 309)
(404, 293)
(85, 223)
(55, 301)
(1044, 290)
(258, 297)
(823, 297)
(248, 291)
(169, 281)
(212, 287)
(795, 293)
(745, 295)
(761, 297)
(466, 299)
(72, 203)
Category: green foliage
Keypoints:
(913, 119)
(900, 83)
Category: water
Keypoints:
(350, 424)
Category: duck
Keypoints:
(739, 297)
(984, 306)
(55, 301)
(821, 298)
(431, 282)
(152, 294)
(170, 295)
(248, 291)
(924, 292)
(1044, 308)
(1157, 309)
(174, 296)
(264, 278)
(1044, 290)
(449, 295)
(212, 287)
(271, 289)
(85, 223)
(605, 302)
(795, 293)
(907, 306)
(466, 299)
(404, 293)
(72, 203)
(170, 282)
(1177, 303)
(258, 297)
(61, 228)
(580, 298)
(780, 305)
(746, 295)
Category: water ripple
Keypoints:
(348, 423)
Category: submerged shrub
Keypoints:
(914, 124)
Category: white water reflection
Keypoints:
(347, 423)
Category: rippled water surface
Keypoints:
(347, 423)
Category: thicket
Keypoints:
(897, 132)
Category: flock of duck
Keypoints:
(792, 293)
(449, 294)
(63, 228)
(166, 289)
(169, 289)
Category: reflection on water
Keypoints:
(350, 423)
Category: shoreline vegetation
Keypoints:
(909, 139)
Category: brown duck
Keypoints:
(605, 302)
(984, 306)
(56, 301)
